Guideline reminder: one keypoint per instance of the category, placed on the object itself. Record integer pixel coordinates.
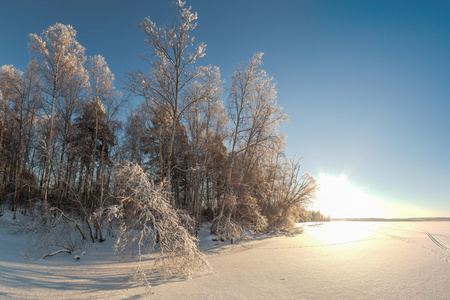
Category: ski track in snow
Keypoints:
(438, 241)
(443, 251)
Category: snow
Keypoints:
(336, 260)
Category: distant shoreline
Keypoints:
(392, 219)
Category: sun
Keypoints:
(340, 199)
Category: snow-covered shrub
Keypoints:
(248, 213)
(294, 194)
(284, 219)
(52, 230)
(144, 218)
(226, 228)
(239, 216)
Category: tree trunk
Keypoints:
(49, 143)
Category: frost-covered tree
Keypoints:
(146, 221)
(102, 91)
(206, 124)
(255, 119)
(73, 90)
(92, 139)
(21, 102)
(58, 55)
(254, 113)
(59, 132)
(109, 102)
(12, 88)
(291, 194)
(172, 70)
(133, 143)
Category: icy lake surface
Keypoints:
(337, 260)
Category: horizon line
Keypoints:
(393, 219)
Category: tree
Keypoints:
(73, 89)
(206, 124)
(58, 55)
(255, 119)
(292, 193)
(106, 110)
(22, 91)
(171, 72)
(92, 140)
(145, 217)
(102, 91)
(133, 143)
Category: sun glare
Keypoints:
(342, 232)
(340, 199)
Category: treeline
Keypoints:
(313, 216)
(62, 142)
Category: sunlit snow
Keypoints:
(337, 260)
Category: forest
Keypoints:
(190, 152)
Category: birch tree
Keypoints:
(102, 88)
(291, 194)
(255, 119)
(101, 91)
(133, 139)
(58, 54)
(23, 93)
(73, 89)
(206, 124)
(9, 77)
(144, 217)
(172, 70)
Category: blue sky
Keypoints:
(364, 83)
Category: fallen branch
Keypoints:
(57, 252)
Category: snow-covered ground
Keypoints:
(337, 260)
